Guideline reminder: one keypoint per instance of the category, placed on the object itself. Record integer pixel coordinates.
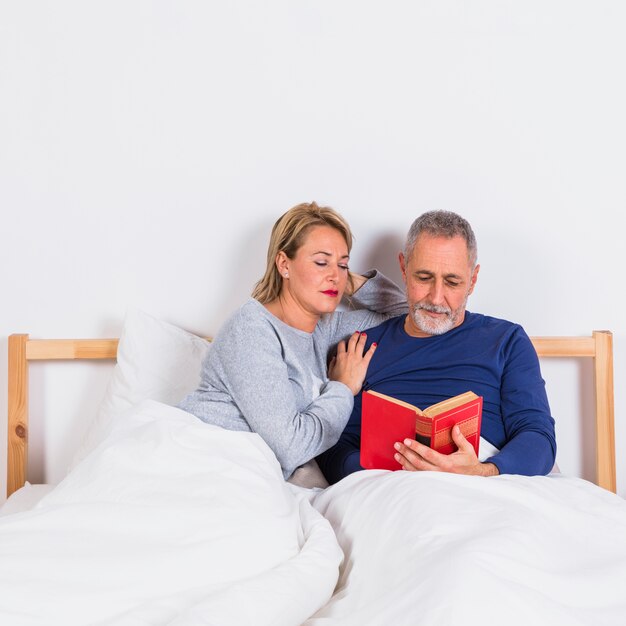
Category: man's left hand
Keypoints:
(415, 456)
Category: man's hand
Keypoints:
(415, 456)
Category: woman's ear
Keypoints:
(282, 264)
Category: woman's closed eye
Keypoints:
(342, 266)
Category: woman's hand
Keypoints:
(350, 364)
(355, 282)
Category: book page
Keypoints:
(449, 403)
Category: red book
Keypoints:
(385, 420)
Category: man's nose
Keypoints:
(436, 292)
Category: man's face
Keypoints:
(439, 279)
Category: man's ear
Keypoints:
(473, 279)
(402, 265)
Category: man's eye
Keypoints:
(453, 283)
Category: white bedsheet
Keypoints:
(169, 521)
(440, 549)
(25, 498)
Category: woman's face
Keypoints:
(316, 277)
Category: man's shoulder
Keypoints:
(498, 331)
(489, 323)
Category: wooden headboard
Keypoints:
(22, 350)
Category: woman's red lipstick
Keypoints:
(331, 292)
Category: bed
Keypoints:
(164, 520)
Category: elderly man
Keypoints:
(440, 350)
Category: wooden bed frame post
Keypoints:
(17, 449)
(605, 410)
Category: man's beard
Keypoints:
(436, 326)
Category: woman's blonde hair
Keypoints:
(288, 235)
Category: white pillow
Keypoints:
(155, 361)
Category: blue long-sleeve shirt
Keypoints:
(493, 358)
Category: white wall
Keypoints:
(147, 147)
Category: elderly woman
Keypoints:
(267, 370)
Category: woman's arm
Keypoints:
(355, 283)
(271, 378)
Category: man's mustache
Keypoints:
(432, 308)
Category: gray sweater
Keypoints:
(264, 376)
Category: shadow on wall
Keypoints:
(586, 426)
(382, 254)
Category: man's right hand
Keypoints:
(415, 456)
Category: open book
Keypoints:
(385, 420)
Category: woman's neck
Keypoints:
(291, 313)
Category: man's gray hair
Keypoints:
(442, 224)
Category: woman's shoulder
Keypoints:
(245, 320)
(252, 320)
(251, 310)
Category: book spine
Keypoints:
(423, 430)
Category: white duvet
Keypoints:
(439, 549)
(168, 521)
(171, 521)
